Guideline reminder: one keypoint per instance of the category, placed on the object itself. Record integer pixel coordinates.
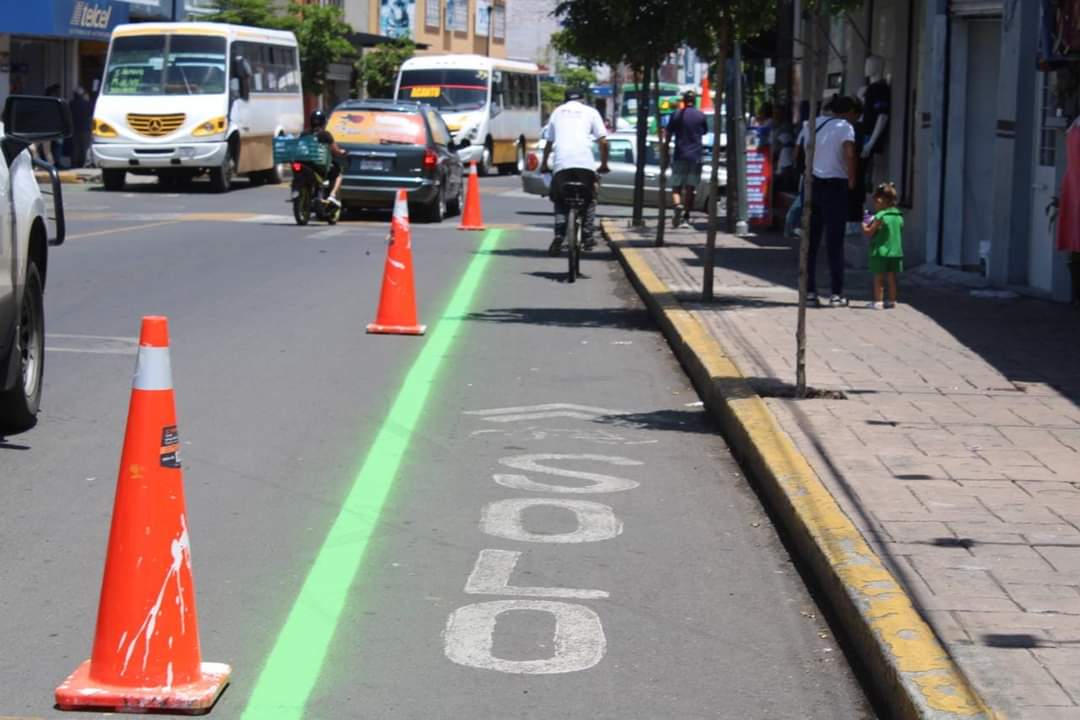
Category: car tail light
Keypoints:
(430, 159)
(533, 162)
(297, 167)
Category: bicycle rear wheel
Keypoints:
(572, 247)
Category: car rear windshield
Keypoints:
(377, 127)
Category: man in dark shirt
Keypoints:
(688, 125)
(317, 121)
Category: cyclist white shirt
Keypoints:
(571, 130)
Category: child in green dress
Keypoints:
(885, 228)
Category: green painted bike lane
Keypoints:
(300, 651)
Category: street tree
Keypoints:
(323, 36)
(816, 20)
(377, 70)
(638, 32)
(256, 13)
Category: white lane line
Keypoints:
(91, 344)
(330, 232)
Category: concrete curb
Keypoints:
(902, 658)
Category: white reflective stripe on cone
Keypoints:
(153, 371)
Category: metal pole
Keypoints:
(741, 211)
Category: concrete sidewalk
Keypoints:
(956, 453)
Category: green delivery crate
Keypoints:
(304, 149)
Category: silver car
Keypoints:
(617, 187)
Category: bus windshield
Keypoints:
(445, 89)
(166, 65)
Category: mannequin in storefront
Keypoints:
(876, 98)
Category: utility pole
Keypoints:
(491, 25)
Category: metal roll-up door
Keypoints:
(975, 8)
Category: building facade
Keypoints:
(976, 131)
(443, 26)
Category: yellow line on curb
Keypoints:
(907, 663)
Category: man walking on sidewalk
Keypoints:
(688, 125)
(835, 167)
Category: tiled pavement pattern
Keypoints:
(956, 452)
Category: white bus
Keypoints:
(180, 99)
(492, 103)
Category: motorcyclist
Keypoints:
(317, 123)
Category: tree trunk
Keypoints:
(809, 66)
(638, 219)
(661, 198)
(714, 185)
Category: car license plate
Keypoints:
(373, 165)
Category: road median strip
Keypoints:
(903, 660)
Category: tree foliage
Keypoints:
(377, 70)
(553, 92)
(321, 32)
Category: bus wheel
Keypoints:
(486, 166)
(221, 177)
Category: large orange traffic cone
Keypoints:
(146, 646)
(471, 219)
(706, 97)
(397, 304)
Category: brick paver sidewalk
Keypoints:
(956, 452)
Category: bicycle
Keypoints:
(577, 189)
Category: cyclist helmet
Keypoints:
(574, 94)
(317, 119)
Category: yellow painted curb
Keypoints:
(903, 659)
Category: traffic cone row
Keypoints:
(471, 218)
(706, 97)
(146, 652)
(397, 303)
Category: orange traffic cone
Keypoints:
(706, 98)
(397, 304)
(471, 219)
(146, 646)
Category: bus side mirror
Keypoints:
(32, 119)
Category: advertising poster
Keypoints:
(483, 16)
(759, 187)
(431, 13)
(396, 18)
(457, 15)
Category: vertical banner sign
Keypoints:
(483, 16)
(759, 186)
(431, 13)
(457, 15)
(396, 18)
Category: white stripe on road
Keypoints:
(91, 344)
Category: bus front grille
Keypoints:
(155, 125)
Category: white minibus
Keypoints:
(180, 99)
(492, 103)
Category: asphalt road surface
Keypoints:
(522, 514)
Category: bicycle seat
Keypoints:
(574, 185)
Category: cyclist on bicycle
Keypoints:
(570, 133)
(333, 176)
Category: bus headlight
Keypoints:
(102, 129)
(214, 126)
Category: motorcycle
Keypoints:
(310, 194)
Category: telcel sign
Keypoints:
(90, 16)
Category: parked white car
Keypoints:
(24, 246)
(617, 187)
